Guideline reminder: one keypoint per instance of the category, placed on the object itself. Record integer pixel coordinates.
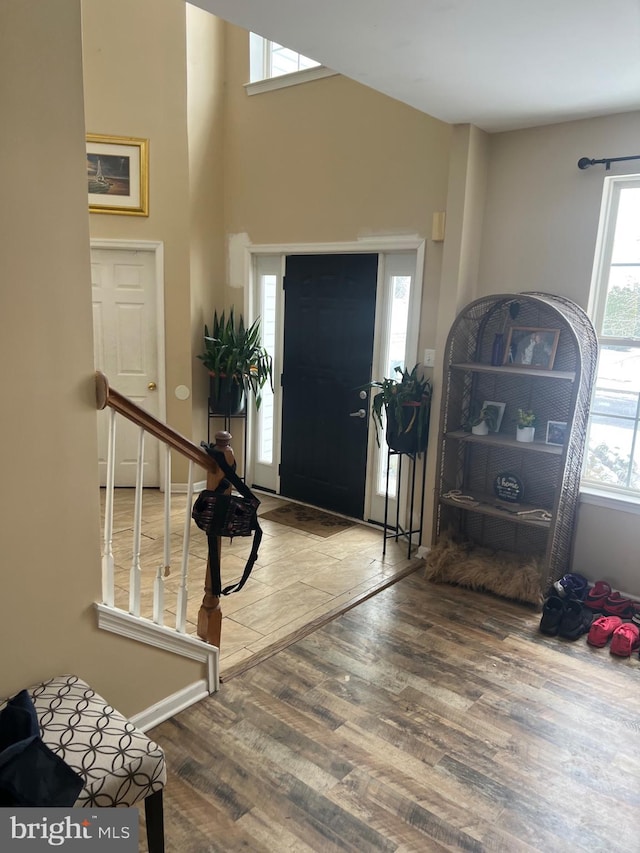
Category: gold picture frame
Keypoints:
(118, 174)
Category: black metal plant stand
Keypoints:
(397, 531)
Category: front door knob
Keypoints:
(359, 414)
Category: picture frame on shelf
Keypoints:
(556, 433)
(499, 414)
(530, 346)
(118, 174)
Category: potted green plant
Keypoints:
(406, 402)
(237, 362)
(484, 420)
(526, 425)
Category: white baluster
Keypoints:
(136, 572)
(108, 583)
(164, 569)
(183, 592)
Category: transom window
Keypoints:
(613, 444)
(270, 59)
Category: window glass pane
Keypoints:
(618, 369)
(626, 243)
(613, 426)
(401, 288)
(609, 452)
(265, 418)
(285, 61)
(400, 293)
(622, 311)
(269, 59)
(613, 441)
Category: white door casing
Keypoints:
(271, 260)
(128, 323)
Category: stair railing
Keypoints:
(210, 615)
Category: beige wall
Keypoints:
(539, 233)
(542, 211)
(206, 100)
(329, 161)
(135, 82)
(461, 255)
(49, 498)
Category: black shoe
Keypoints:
(576, 620)
(552, 613)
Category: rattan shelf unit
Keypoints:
(466, 506)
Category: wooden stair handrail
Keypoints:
(210, 615)
(107, 396)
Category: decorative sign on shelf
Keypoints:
(508, 487)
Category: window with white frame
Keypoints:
(613, 443)
(269, 59)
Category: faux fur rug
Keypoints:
(482, 569)
(309, 519)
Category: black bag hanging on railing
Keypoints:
(220, 514)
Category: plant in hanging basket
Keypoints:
(406, 402)
(236, 360)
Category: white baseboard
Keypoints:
(169, 707)
(183, 488)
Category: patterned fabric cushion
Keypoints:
(117, 761)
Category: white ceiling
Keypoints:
(498, 64)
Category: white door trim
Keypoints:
(157, 247)
(368, 245)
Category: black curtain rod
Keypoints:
(585, 162)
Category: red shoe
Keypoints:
(626, 639)
(616, 605)
(597, 595)
(602, 629)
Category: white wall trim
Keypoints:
(372, 244)
(608, 500)
(169, 707)
(379, 244)
(283, 81)
(183, 488)
(144, 631)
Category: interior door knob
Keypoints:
(359, 414)
(152, 386)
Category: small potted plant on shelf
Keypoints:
(526, 425)
(237, 362)
(406, 402)
(483, 421)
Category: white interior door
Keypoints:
(125, 325)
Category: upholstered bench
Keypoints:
(117, 763)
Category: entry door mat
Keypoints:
(308, 518)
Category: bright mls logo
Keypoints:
(69, 829)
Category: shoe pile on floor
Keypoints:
(573, 608)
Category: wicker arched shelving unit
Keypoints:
(469, 464)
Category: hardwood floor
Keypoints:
(300, 578)
(427, 718)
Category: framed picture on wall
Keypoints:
(118, 174)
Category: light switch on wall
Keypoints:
(429, 358)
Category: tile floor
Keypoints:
(299, 577)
